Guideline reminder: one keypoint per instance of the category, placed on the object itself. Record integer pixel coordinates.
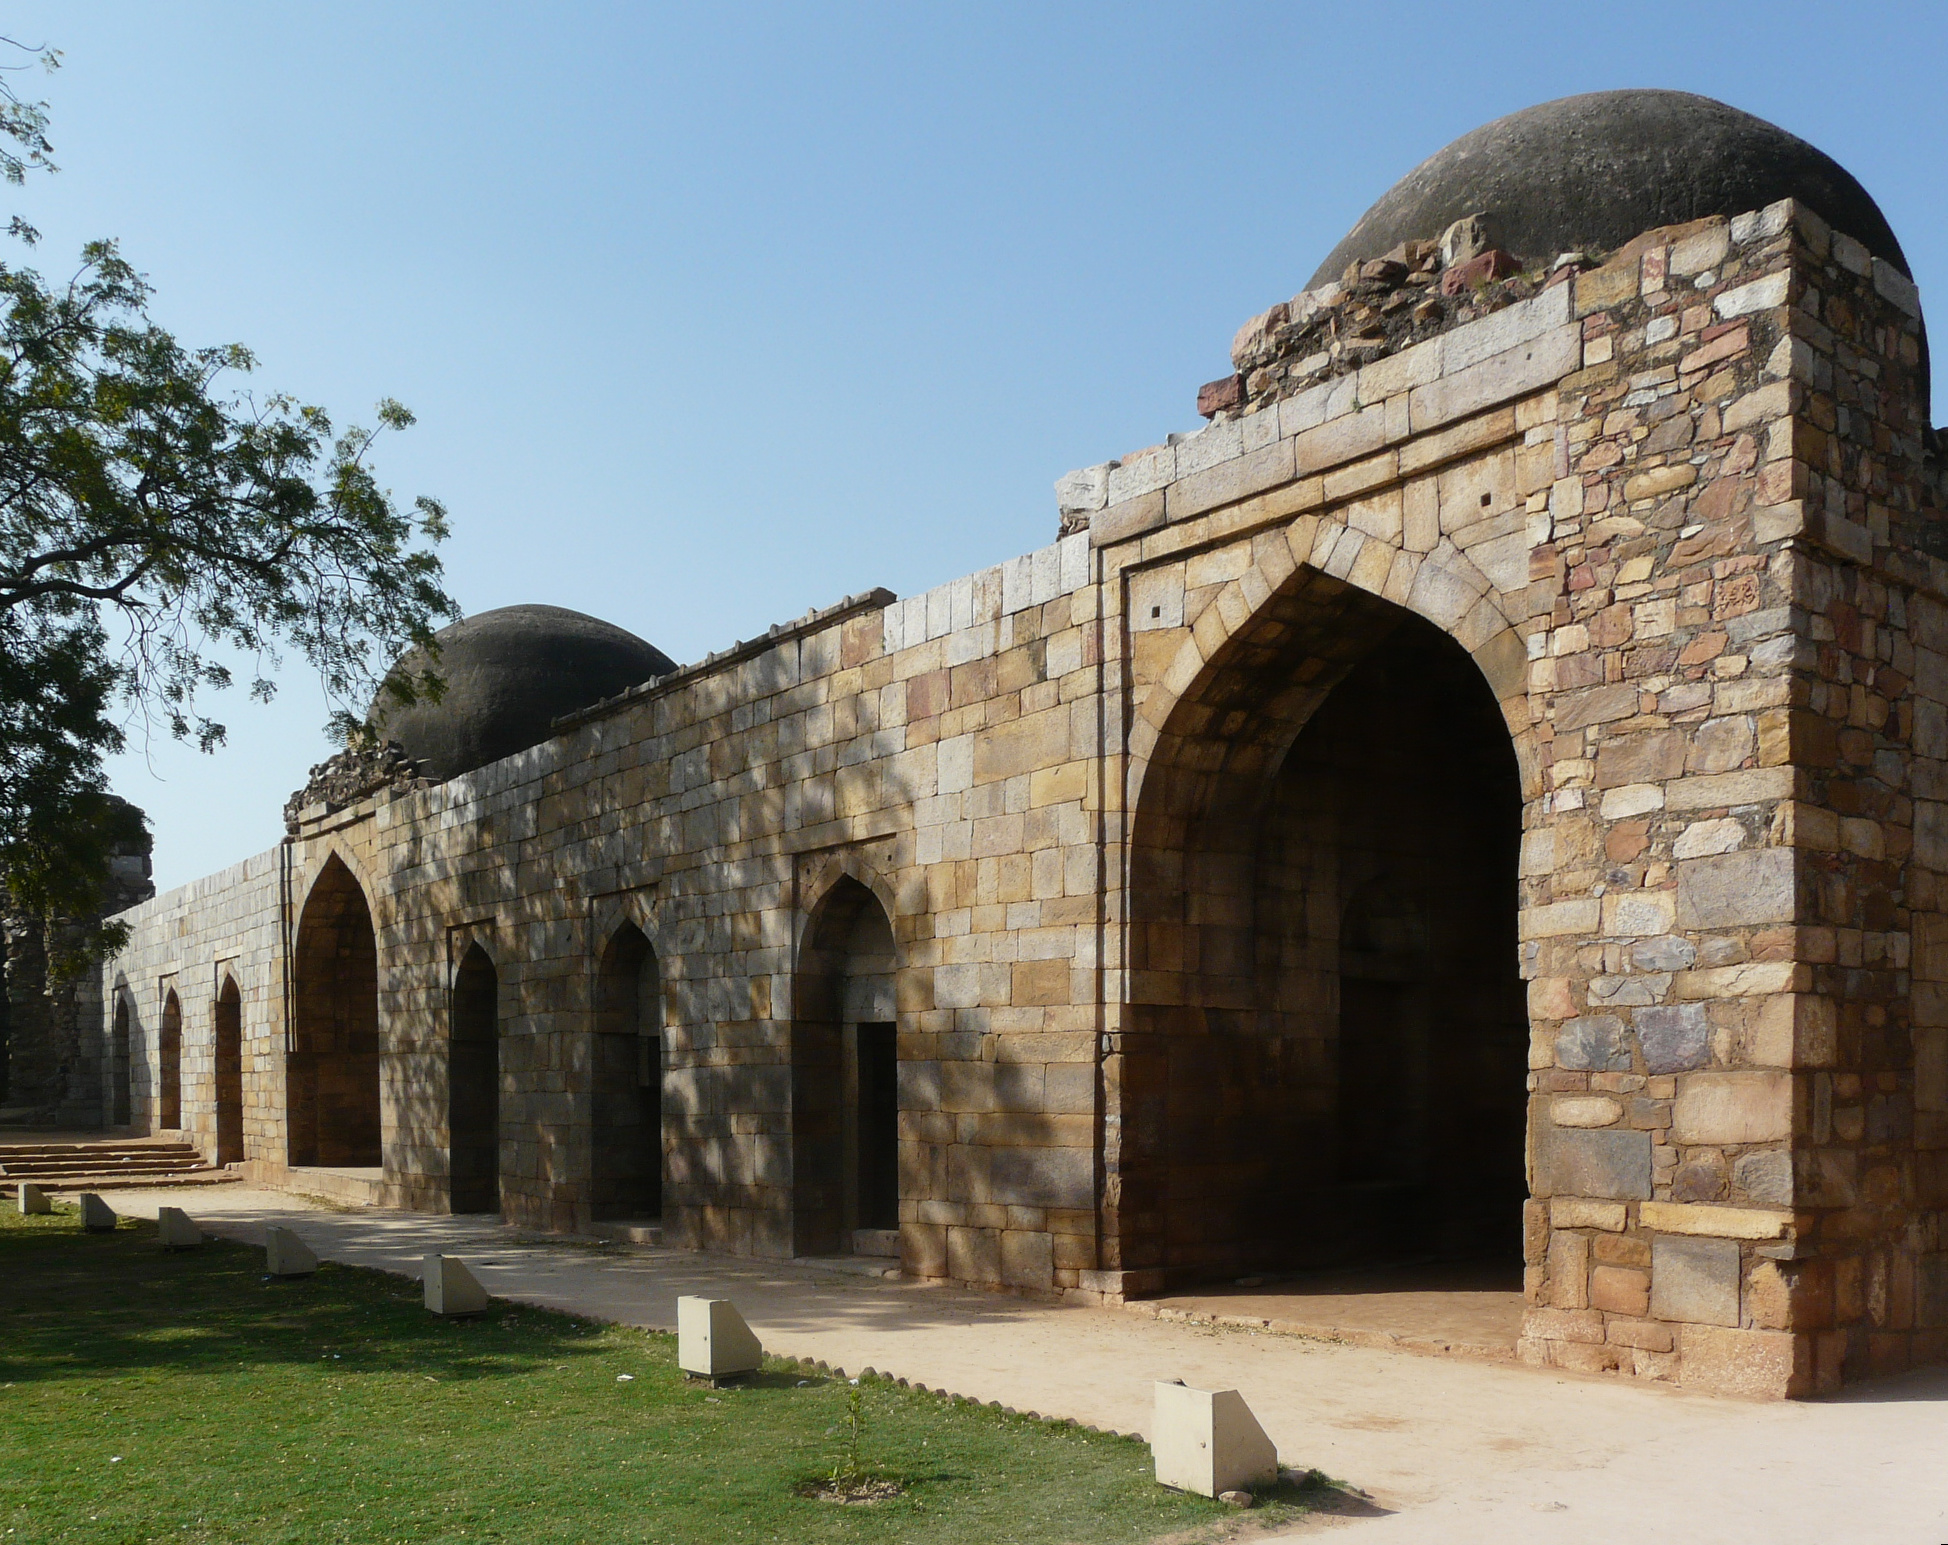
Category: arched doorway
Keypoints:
(169, 1059)
(333, 1082)
(474, 1086)
(228, 1069)
(1328, 1052)
(626, 1070)
(845, 1079)
(120, 1071)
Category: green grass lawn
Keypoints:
(180, 1397)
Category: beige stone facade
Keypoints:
(1494, 799)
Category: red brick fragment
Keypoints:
(1216, 396)
(1490, 265)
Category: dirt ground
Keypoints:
(1452, 1449)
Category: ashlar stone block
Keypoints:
(286, 1255)
(176, 1230)
(1694, 1281)
(1207, 1441)
(97, 1217)
(451, 1287)
(712, 1340)
(32, 1200)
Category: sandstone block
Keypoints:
(712, 1340)
(1577, 1212)
(1716, 1222)
(1733, 1108)
(1758, 1364)
(1694, 1280)
(1620, 1290)
(1207, 1442)
(451, 1288)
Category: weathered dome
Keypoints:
(509, 674)
(1593, 171)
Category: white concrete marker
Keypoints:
(712, 1340)
(1207, 1441)
(451, 1288)
(286, 1255)
(175, 1229)
(97, 1217)
(32, 1199)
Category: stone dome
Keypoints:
(509, 674)
(1593, 171)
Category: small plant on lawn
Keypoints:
(850, 1479)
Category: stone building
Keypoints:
(1486, 793)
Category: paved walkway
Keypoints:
(1458, 1451)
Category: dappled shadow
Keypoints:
(100, 1304)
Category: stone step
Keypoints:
(188, 1177)
(109, 1163)
(10, 1152)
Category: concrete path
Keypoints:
(1457, 1451)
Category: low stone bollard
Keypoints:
(286, 1255)
(32, 1200)
(452, 1289)
(1208, 1442)
(712, 1340)
(97, 1217)
(175, 1230)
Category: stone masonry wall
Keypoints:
(1676, 512)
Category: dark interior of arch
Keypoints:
(627, 1069)
(473, 1086)
(1328, 1057)
(333, 1087)
(845, 1075)
(121, 1071)
(229, 1073)
(169, 1057)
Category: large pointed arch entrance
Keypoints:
(333, 1083)
(1326, 1050)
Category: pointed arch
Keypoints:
(1323, 775)
(1321, 554)
(626, 1068)
(227, 1071)
(474, 1084)
(845, 1075)
(121, 1068)
(333, 1068)
(169, 1060)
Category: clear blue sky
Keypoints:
(712, 314)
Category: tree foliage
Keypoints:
(155, 519)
